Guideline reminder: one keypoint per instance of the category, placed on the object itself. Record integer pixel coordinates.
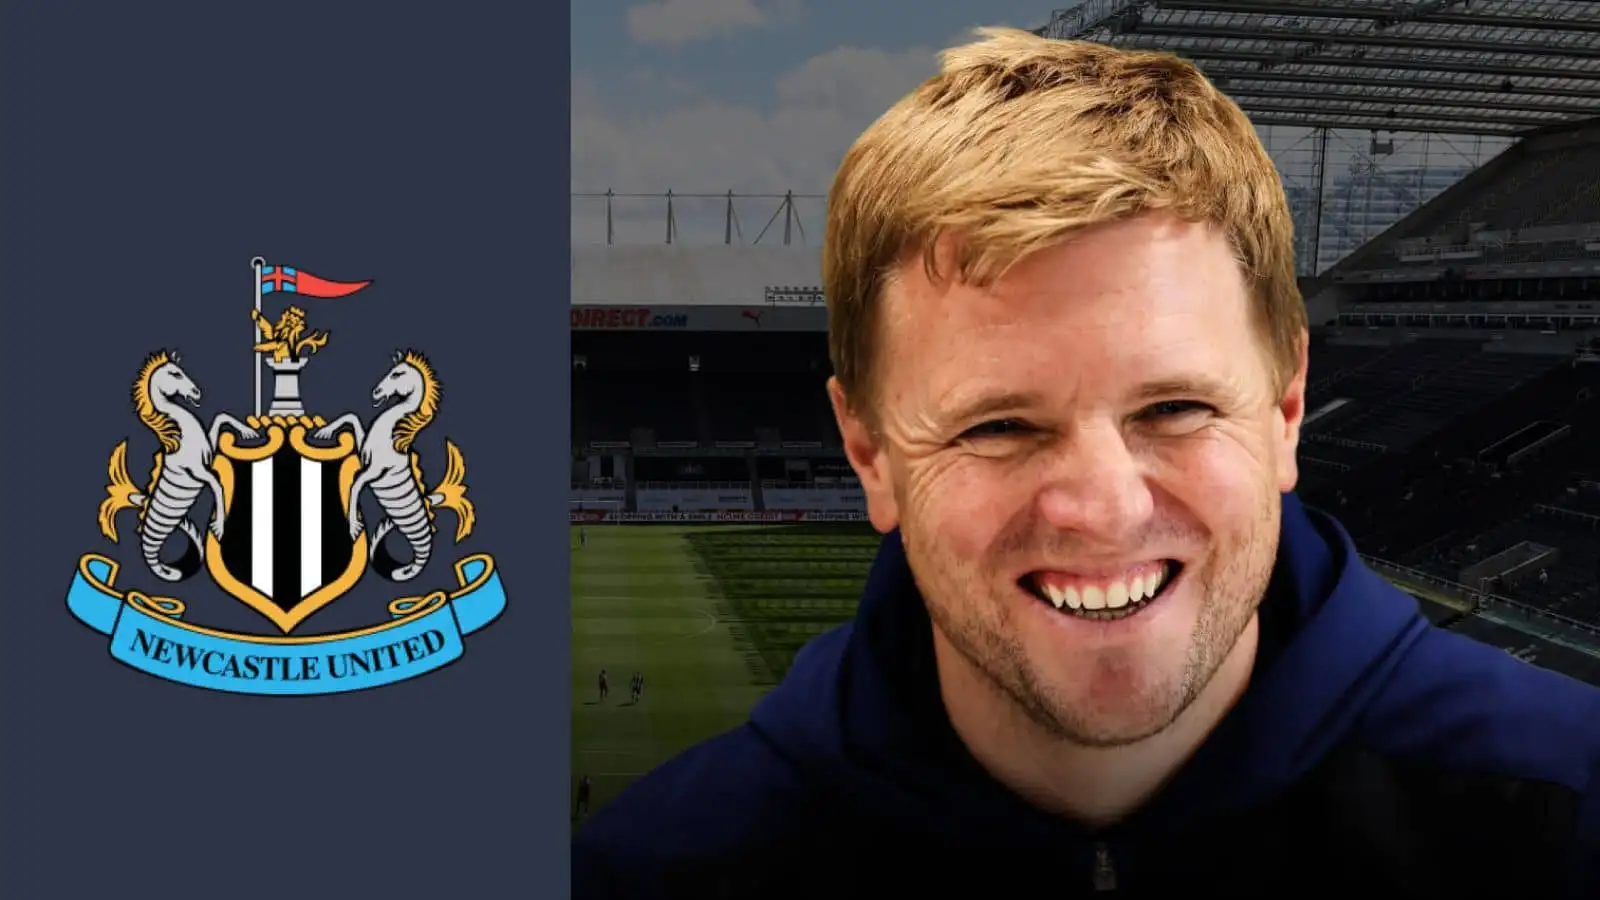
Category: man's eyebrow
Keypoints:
(965, 408)
(1182, 386)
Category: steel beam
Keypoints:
(1352, 123)
(1330, 39)
(1224, 75)
(1518, 122)
(1391, 100)
(1334, 11)
(1369, 62)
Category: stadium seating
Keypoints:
(1330, 362)
(701, 388)
(1392, 399)
(1554, 186)
(793, 404)
(1566, 582)
(618, 404)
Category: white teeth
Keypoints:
(1116, 595)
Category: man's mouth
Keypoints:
(1104, 596)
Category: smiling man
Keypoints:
(1103, 647)
(1086, 459)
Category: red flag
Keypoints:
(289, 280)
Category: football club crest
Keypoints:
(274, 510)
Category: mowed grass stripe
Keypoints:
(784, 585)
(713, 616)
(640, 602)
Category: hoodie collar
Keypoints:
(1331, 631)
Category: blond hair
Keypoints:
(1019, 143)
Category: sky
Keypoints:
(752, 96)
(761, 97)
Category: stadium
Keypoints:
(1443, 164)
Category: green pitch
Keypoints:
(711, 615)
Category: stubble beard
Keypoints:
(983, 631)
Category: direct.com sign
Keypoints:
(628, 318)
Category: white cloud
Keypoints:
(677, 22)
(671, 135)
(711, 146)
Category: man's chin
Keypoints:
(1111, 702)
(1107, 720)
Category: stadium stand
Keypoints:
(1395, 400)
(1546, 198)
(1453, 396)
(701, 387)
(1469, 467)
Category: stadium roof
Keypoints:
(1478, 67)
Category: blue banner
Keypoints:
(423, 635)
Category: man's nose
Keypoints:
(1096, 486)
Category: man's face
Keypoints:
(1098, 425)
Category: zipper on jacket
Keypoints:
(1105, 873)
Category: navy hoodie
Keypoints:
(1372, 752)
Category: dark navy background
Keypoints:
(149, 151)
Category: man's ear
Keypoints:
(1292, 411)
(864, 449)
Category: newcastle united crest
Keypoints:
(274, 509)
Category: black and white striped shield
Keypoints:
(286, 549)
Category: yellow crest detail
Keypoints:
(406, 432)
(157, 421)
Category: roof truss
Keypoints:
(1488, 67)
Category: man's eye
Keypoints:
(997, 428)
(1167, 409)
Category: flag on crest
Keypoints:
(289, 280)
